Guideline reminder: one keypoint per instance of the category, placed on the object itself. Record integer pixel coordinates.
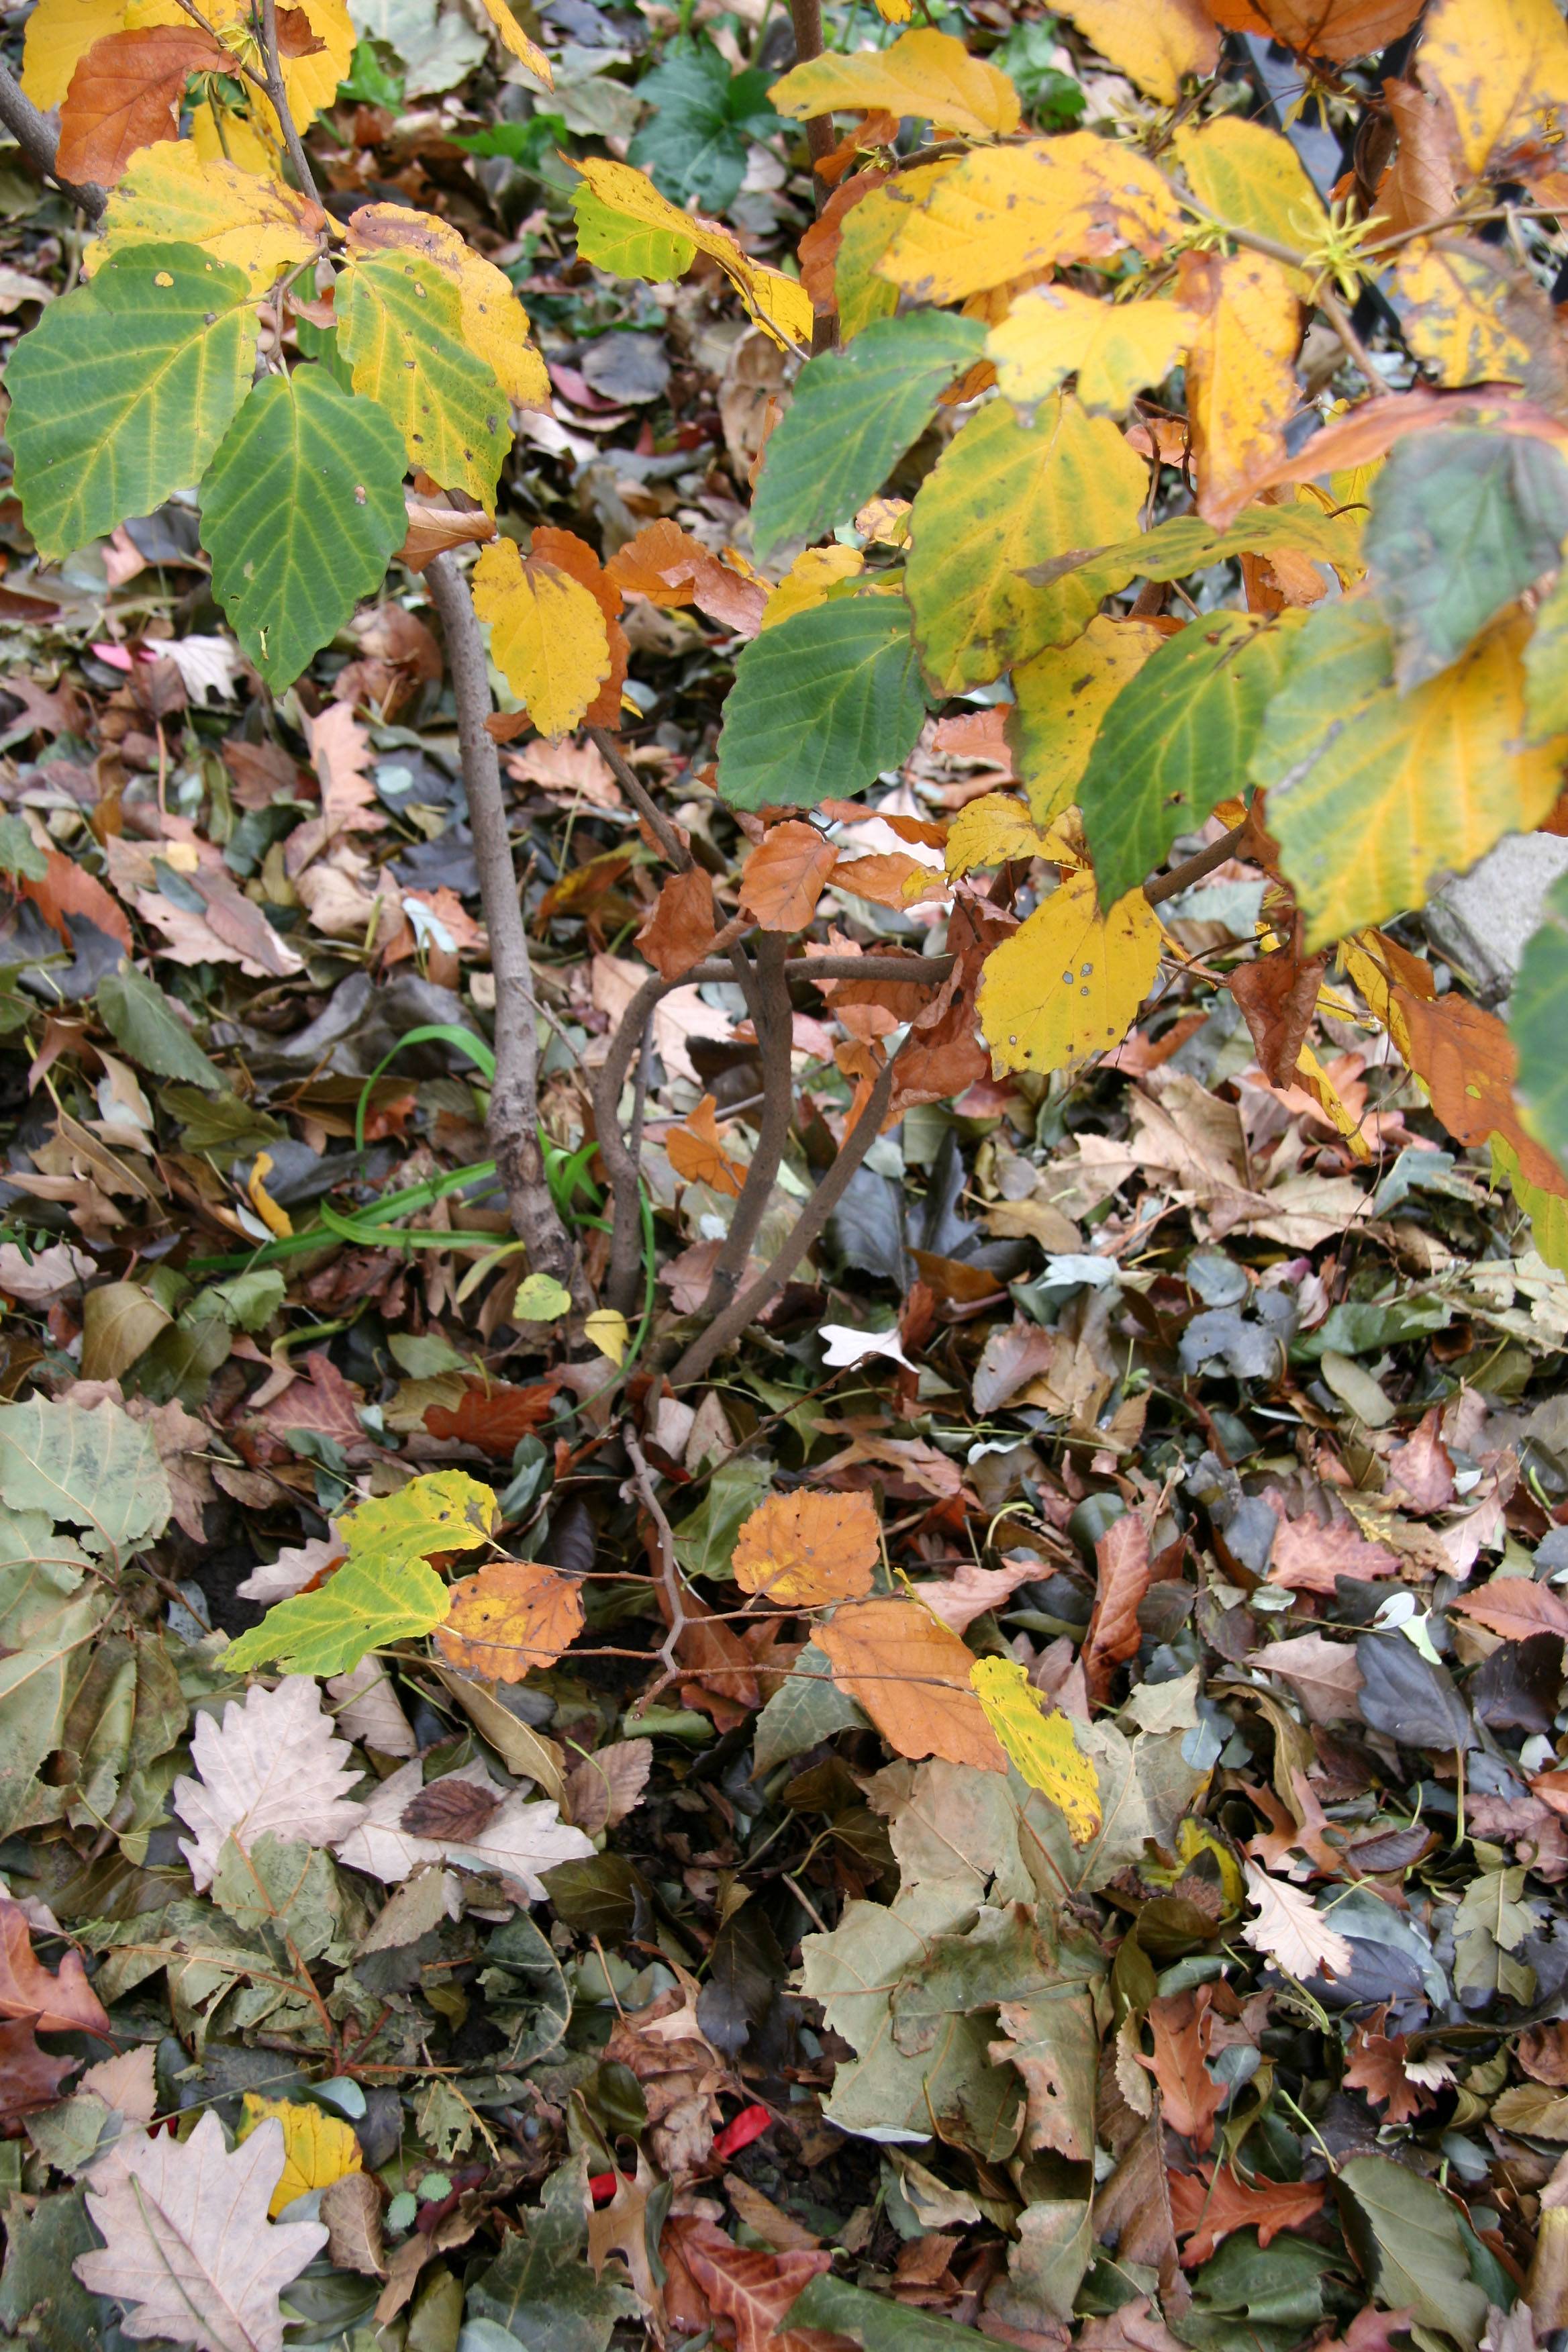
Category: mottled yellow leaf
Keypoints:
(1241, 378)
(1060, 695)
(400, 329)
(991, 830)
(1003, 499)
(514, 38)
(59, 34)
(1155, 42)
(1464, 312)
(494, 322)
(1069, 981)
(548, 634)
(1114, 348)
(806, 583)
(1006, 211)
(1252, 177)
(1502, 65)
(170, 193)
(1039, 1743)
(607, 1330)
(865, 234)
(310, 82)
(777, 303)
(317, 2149)
(927, 75)
(276, 1220)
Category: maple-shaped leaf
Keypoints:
(1375, 2063)
(188, 2248)
(513, 1615)
(697, 1152)
(62, 2003)
(805, 1549)
(29, 2077)
(752, 2287)
(275, 1763)
(1207, 2205)
(1183, 2027)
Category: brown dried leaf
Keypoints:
(514, 1614)
(807, 1549)
(350, 2208)
(679, 931)
(697, 1152)
(1121, 1558)
(450, 1808)
(125, 94)
(785, 875)
(603, 1788)
(1182, 2026)
(62, 2003)
(1339, 29)
(1515, 1606)
(754, 2290)
(1209, 2204)
(29, 2077)
(1278, 996)
(910, 1674)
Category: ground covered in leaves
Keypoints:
(650, 1951)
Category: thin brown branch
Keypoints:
(726, 1328)
(773, 1017)
(926, 972)
(513, 1123)
(39, 140)
(667, 1570)
(641, 799)
(281, 107)
(1193, 869)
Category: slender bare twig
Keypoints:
(807, 18)
(773, 1018)
(273, 67)
(636, 792)
(726, 1328)
(1193, 869)
(513, 1123)
(666, 1571)
(39, 140)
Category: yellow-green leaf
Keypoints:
(865, 234)
(494, 322)
(1060, 695)
(1374, 795)
(169, 192)
(1468, 313)
(991, 830)
(318, 2148)
(1253, 177)
(1114, 348)
(780, 305)
(1039, 1743)
(1069, 981)
(1005, 498)
(629, 248)
(925, 74)
(1241, 377)
(548, 634)
(1502, 71)
(1155, 42)
(1006, 211)
(400, 328)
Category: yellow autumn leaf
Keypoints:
(276, 1220)
(1059, 698)
(58, 36)
(925, 74)
(1503, 69)
(317, 2149)
(548, 634)
(1069, 981)
(494, 323)
(1114, 348)
(1311, 1076)
(221, 136)
(1003, 212)
(1039, 1743)
(1003, 500)
(1464, 312)
(895, 12)
(991, 830)
(1155, 42)
(779, 304)
(170, 193)
(514, 38)
(310, 82)
(607, 1330)
(1241, 377)
(806, 583)
(1252, 177)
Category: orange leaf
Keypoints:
(125, 94)
(670, 568)
(1376, 2065)
(64, 2003)
(753, 2289)
(1122, 1558)
(888, 878)
(910, 1674)
(492, 1415)
(1515, 1606)
(1183, 2027)
(785, 875)
(1241, 381)
(514, 1614)
(809, 1549)
(68, 889)
(1214, 2203)
(679, 931)
(697, 1152)
(1339, 29)
(1466, 1059)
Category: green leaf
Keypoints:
(1547, 1212)
(821, 704)
(543, 2288)
(1176, 740)
(1184, 543)
(1537, 1023)
(1404, 2234)
(301, 507)
(1462, 522)
(807, 1707)
(876, 2320)
(124, 389)
(386, 1590)
(542, 1299)
(41, 2300)
(628, 248)
(854, 413)
(89, 1466)
(1267, 2300)
(140, 1019)
(20, 852)
(700, 123)
(279, 1893)
(705, 1539)
(400, 331)
(526, 1994)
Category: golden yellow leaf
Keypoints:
(317, 2149)
(1038, 1740)
(219, 136)
(59, 34)
(310, 82)
(779, 304)
(1060, 695)
(864, 234)
(806, 583)
(925, 74)
(991, 830)
(807, 1549)
(1311, 1076)
(494, 322)
(171, 193)
(1502, 65)
(548, 634)
(1464, 312)
(607, 1330)
(514, 38)
(1114, 348)
(895, 12)
(1155, 42)
(911, 1672)
(276, 1220)
(1241, 377)
(510, 1616)
(1003, 212)
(1069, 981)
(1253, 177)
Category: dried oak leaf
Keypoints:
(1515, 1606)
(29, 2077)
(275, 1764)
(514, 1614)
(1207, 2205)
(63, 2003)
(807, 1549)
